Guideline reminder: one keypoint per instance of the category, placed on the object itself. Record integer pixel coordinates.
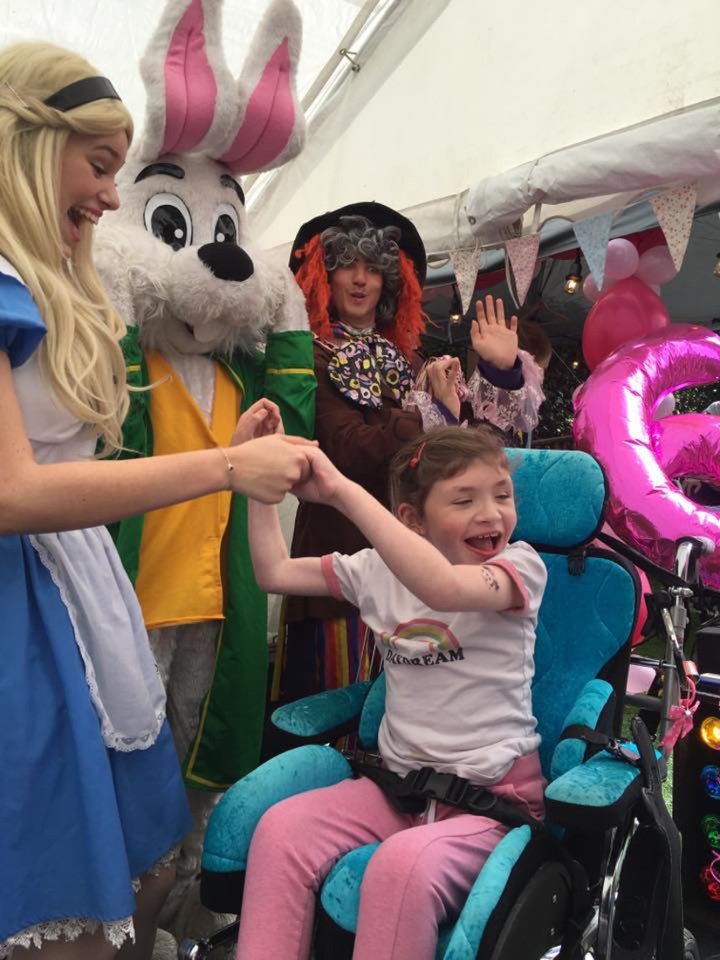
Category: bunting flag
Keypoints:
(593, 236)
(466, 263)
(675, 210)
(522, 253)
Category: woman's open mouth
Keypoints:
(75, 217)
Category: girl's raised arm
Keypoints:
(275, 571)
(66, 496)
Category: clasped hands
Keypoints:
(268, 464)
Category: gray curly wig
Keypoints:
(357, 236)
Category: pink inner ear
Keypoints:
(190, 87)
(269, 118)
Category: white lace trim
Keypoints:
(164, 862)
(430, 413)
(115, 932)
(509, 409)
(111, 738)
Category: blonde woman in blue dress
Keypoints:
(92, 802)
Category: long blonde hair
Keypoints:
(80, 355)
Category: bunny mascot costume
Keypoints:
(213, 326)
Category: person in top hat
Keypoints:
(362, 268)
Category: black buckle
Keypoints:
(482, 801)
(621, 750)
(431, 785)
(446, 788)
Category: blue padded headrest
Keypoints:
(559, 495)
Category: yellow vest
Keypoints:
(180, 574)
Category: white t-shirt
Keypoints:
(458, 684)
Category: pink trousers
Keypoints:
(416, 881)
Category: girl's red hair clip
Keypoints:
(414, 461)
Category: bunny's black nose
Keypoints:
(227, 261)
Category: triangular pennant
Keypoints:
(593, 236)
(466, 264)
(675, 210)
(522, 253)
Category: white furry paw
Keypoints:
(165, 946)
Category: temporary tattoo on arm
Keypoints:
(489, 578)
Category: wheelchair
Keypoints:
(602, 878)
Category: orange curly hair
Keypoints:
(408, 322)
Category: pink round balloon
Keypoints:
(621, 260)
(656, 266)
(590, 289)
(628, 311)
(641, 456)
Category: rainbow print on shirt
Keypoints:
(422, 642)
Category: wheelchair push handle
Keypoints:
(688, 551)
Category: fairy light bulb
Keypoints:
(710, 826)
(709, 880)
(710, 778)
(572, 283)
(574, 278)
(710, 732)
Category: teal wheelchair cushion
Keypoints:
(322, 713)
(561, 494)
(596, 699)
(482, 900)
(340, 897)
(595, 795)
(233, 822)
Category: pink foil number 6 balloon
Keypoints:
(641, 456)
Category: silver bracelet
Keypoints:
(230, 467)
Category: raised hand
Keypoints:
(261, 419)
(443, 377)
(494, 340)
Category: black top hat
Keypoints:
(379, 215)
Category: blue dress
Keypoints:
(79, 821)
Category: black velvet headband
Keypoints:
(82, 91)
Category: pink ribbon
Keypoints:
(682, 716)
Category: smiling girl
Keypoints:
(92, 802)
(453, 605)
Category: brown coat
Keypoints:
(360, 441)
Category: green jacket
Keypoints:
(227, 744)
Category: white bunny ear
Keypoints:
(187, 81)
(269, 125)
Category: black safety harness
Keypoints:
(411, 793)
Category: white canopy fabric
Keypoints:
(613, 170)
(484, 90)
(583, 103)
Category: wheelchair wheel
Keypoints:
(691, 951)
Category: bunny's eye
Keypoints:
(225, 224)
(168, 219)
